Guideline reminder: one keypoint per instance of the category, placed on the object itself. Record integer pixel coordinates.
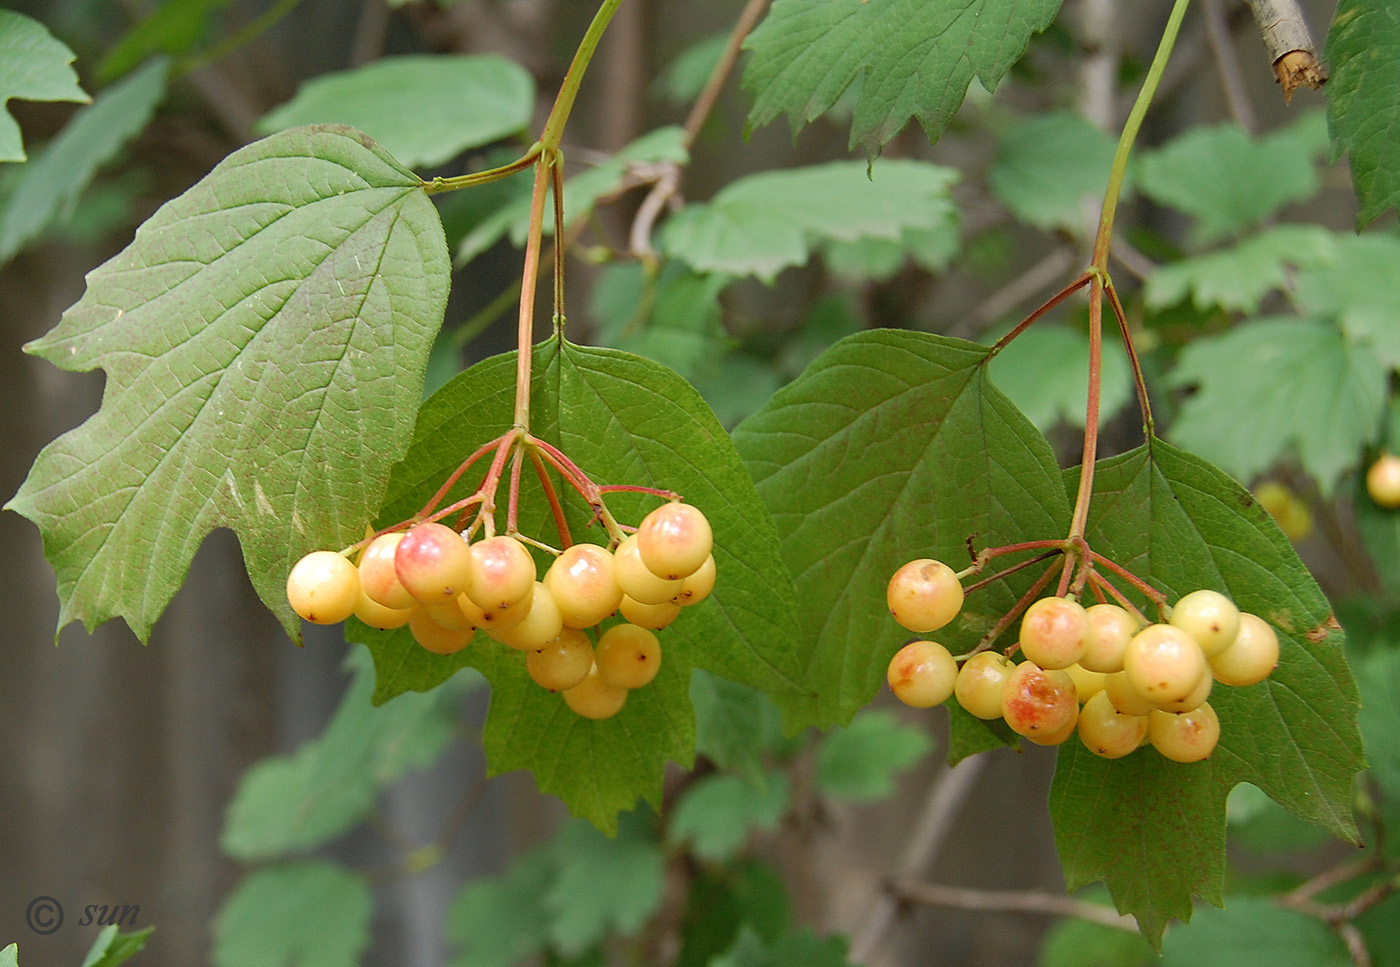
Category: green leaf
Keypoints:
(749, 894)
(1045, 371)
(1259, 824)
(801, 947)
(736, 727)
(259, 331)
(1226, 180)
(860, 762)
(1379, 680)
(33, 67)
(673, 317)
(112, 948)
(1083, 943)
(1363, 52)
(1237, 278)
(1051, 170)
(878, 259)
(623, 420)
(1273, 387)
(603, 885)
(49, 186)
(423, 109)
(288, 803)
(717, 814)
(1181, 524)
(902, 58)
(685, 77)
(764, 223)
(1354, 288)
(175, 28)
(581, 192)
(497, 922)
(1253, 932)
(894, 446)
(9, 957)
(311, 914)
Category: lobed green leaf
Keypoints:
(34, 66)
(1253, 932)
(1182, 524)
(1052, 169)
(1239, 277)
(860, 762)
(256, 333)
(1363, 53)
(311, 914)
(717, 814)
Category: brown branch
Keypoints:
(1013, 901)
(1289, 45)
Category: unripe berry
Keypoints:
(378, 576)
(922, 674)
(697, 587)
(1107, 732)
(562, 663)
(636, 580)
(374, 614)
(1164, 663)
(433, 563)
(502, 573)
(323, 588)
(653, 616)
(1251, 657)
(979, 684)
(582, 582)
(595, 698)
(1124, 697)
(1383, 481)
(1209, 617)
(1038, 701)
(674, 540)
(436, 638)
(1055, 632)
(1087, 684)
(1187, 736)
(1113, 628)
(542, 624)
(924, 595)
(628, 656)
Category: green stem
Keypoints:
(438, 185)
(1130, 133)
(564, 102)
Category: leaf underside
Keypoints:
(260, 330)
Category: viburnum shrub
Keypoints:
(633, 580)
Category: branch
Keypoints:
(1015, 901)
(1289, 45)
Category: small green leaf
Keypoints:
(1181, 524)
(1226, 180)
(1363, 51)
(894, 446)
(175, 28)
(736, 727)
(674, 317)
(1051, 170)
(603, 885)
(1379, 680)
(623, 420)
(112, 948)
(902, 59)
(1237, 278)
(259, 330)
(717, 814)
(1083, 943)
(423, 109)
(581, 192)
(9, 957)
(499, 921)
(49, 186)
(1354, 288)
(1273, 387)
(748, 894)
(33, 67)
(860, 762)
(288, 803)
(310, 914)
(1253, 932)
(764, 223)
(1045, 370)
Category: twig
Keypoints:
(1013, 901)
(1231, 80)
(1289, 45)
(945, 798)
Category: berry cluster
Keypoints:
(1101, 672)
(444, 588)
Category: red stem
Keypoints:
(457, 474)
(561, 524)
(1014, 613)
(1100, 584)
(513, 502)
(1151, 593)
(1026, 323)
(1139, 384)
(979, 585)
